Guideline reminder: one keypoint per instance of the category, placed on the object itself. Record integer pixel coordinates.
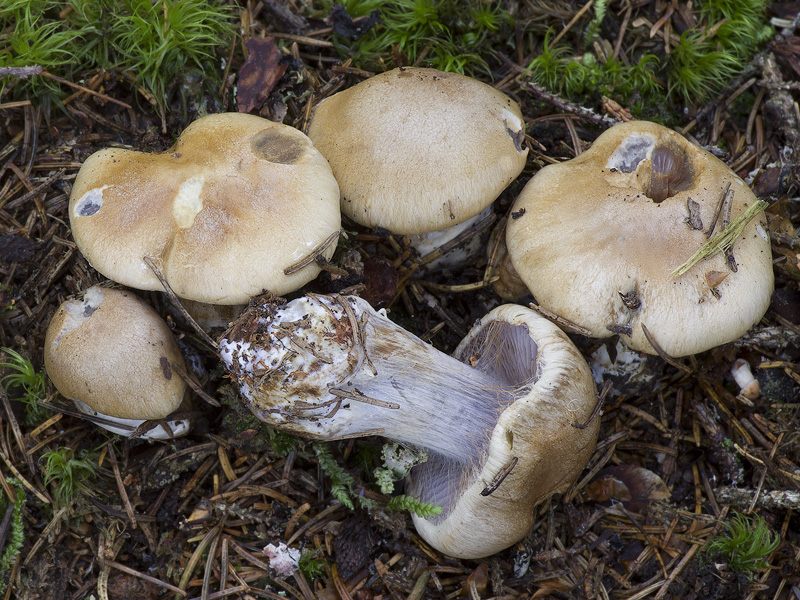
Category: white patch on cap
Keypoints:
(79, 311)
(761, 232)
(513, 122)
(90, 203)
(633, 150)
(187, 202)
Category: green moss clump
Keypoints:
(16, 536)
(745, 544)
(160, 43)
(451, 35)
(706, 57)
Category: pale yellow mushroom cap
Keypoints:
(233, 203)
(617, 220)
(417, 150)
(114, 353)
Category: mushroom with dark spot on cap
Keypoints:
(112, 355)
(223, 213)
(603, 237)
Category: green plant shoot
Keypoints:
(24, 378)
(746, 543)
(411, 504)
(17, 535)
(67, 473)
(722, 240)
(397, 462)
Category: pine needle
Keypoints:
(723, 240)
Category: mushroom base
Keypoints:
(126, 427)
(333, 368)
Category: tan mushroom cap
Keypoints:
(535, 449)
(417, 150)
(114, 353)
(616, 221)
(233, 203)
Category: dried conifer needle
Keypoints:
(722, 240)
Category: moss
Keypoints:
(452, 35)
(705, 59)
(161, 43)
(745, 544)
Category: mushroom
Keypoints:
(418, 150)
(112, 355)
(229, 211)
(506, 421)
(749, 387)
(599, 239)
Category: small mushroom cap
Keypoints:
(417, 150)
(114, 353)
(233, 203)
(600, 235)
(536, 436)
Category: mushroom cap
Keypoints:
(417, 150)
(616, 220)
(223, 212)
(114, 353)
(537, 430)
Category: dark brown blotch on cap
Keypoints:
(277, 147)
(670, 173)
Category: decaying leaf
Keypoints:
(635, 487)
(259, 74)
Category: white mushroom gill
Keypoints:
(333, 367)
(506, 354)
(126, 427)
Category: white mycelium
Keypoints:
(743, 376)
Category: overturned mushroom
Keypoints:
(607, 241)
(498, 419)
(112, 355)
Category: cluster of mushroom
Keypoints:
(508, 419)
(221, 215)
